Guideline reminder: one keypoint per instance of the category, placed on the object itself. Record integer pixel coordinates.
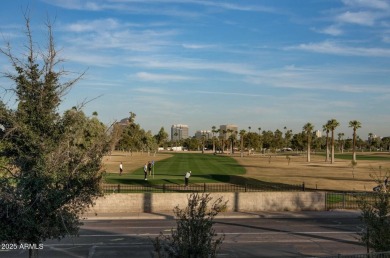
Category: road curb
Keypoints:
(229, 215)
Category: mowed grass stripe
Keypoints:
(376, 157)
(205, 168)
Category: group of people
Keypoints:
(148, 170)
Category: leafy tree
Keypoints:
(308, 128)
(287, 137)
(161, 137)
(115, 135)
(134, 138)
(318, 142)
(267, 137)
(194, 236)
(149, 142)
(376, 217)
(298, 140)
(385, 143)
(355, 125)
(52, 163)
(278, 139)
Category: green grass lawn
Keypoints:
(205, 168)
(348, 156)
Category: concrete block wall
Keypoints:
(249, 201)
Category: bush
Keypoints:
(376, 219)
(194, 236)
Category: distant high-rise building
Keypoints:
(226, 130)
(203, 133)
(318, 134)
(179, 132)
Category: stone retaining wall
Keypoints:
(249, 201)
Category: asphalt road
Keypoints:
(245, 237)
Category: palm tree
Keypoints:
(249, 142)
(242, 133)
(223, 140)
(308, 128)
(333, 123)
(176, 134)
(355, 125)
(213, 131)
(261, 145)
(370, 140)
(230, 131)
(326, 129)
(341, 141)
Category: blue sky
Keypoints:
(269, 64)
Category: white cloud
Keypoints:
(74, 4)
(180, 64)
(386, 38)
(155, 6)
(230, 93)
(361, 18)
(161, 77)
(95, 25)
(151, 90)
(111, 34)
(197, 46)
(328, 47)
(324, 79)
(377, 4)
(333, 30)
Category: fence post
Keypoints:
(344, 200)
(326, 201)
(119, 188)
(204, 187)
(246, 187)
(163, 188)
(303, 186)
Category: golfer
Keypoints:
(187, 177)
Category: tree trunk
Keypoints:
(327, 147)
(32, 252)
(242, 148)
(332, 150)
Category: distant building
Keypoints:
(318, 134)
(179, 132)
(226, 130)
(203, 133)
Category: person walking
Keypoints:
(187, 178)
(146, 171)
(120, 169)
(150, 168)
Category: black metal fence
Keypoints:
(348, 200)
(205, 187)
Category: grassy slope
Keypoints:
(205, 168)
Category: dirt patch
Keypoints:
(317, 174)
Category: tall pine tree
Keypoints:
(51, 163)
